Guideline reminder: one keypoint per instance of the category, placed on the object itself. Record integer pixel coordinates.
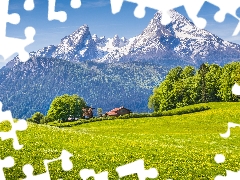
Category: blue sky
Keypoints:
(98, 16)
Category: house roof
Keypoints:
(115, 110)
(110, 113)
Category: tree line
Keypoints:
(187, 86)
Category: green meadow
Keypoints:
(178, 146)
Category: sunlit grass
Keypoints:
(179, 146)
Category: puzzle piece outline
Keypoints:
(66, 165)
(20, 125)
(137, 167)
(11, 45)
(7, 162)
(192, 9)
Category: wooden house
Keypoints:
(118, 111)
(87, 112)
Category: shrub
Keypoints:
(185, 110)
(36, 118)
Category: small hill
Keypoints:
(179, 147)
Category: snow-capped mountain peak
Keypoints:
(180, 41)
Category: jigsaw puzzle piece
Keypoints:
(6, 18)
(138, 168)
(66, 162)
(8, 45)
(66, 165)
(60, 15)
(28, 171)
(226, 7)
(20, 125)
(192, 8)
(53, 15)
(8, 162)
(139, 12)
(237, 29)
(160, 5)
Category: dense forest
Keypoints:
(30, 87)
(186, 86)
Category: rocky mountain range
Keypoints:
(180, 42)
(109, 72)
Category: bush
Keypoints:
(45, 120)
(126, 116)
(36, 118)
(185, 110)
(177, 111)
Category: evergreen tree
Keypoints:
(99, 112)
(203, 71)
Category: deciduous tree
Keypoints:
(65, 106)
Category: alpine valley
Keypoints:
(109, 72)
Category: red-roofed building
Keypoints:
(118, 111)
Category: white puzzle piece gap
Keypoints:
(138, 168)
(8, 45)
(66, 165)
(230, 175)
(29, 5)
(192, 8)
(75, 4)
(53, 15)
(60, 15)
(236, 89)
(230, 125)
(20, 125)
(227, 7)
(8, 162)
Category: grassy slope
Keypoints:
(179, 147)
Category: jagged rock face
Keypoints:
(79, 46)
(180, 41)
(116, 41)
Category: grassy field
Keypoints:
(179, 147)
